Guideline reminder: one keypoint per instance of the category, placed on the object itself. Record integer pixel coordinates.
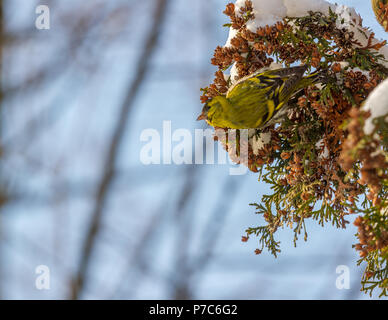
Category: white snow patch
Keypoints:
(233, 73)
(348, 18)
(323, 154)
(300, 8)
(258, 142)
(365, 73)
(232, 34)
(274, 66)
(344, 64)
(266, 12)
(377, 104)
(271, 11)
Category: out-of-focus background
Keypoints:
(74, 195)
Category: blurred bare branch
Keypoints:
(184, 283)
(2, 196)
(184, 220)
(215, 223)
(114, 146)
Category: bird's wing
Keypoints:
(277, 84)
(251, 102)
(267, 77)
(257, 88)
(262, 95)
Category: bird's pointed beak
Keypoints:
(201, 117)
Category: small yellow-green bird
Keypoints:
(255, 101)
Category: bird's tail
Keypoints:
(299, 82)
(319, 76)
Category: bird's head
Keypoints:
(211, 107)
(204, 113)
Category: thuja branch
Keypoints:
(320, 161)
